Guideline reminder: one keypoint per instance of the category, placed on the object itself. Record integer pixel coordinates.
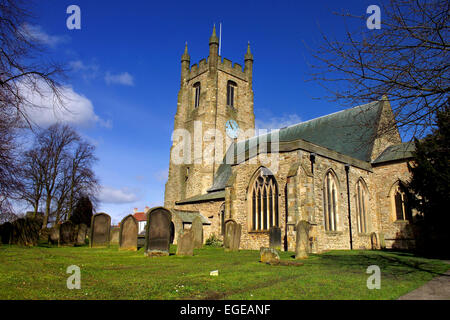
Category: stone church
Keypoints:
(338, 172)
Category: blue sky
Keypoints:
(125, 74)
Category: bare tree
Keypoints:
(22, 70)
(407, 60)
(58, 172)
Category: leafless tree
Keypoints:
(58, 171)
(407, 59)
(22, 70)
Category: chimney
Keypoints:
(135, 210)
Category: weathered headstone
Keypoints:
(67, 234)
(53, 236)
(81, 234)
(157, 239)
(185, 243)
(373, 241)
(197, 229)
(25, 231)
(302, 240)
(275, 238)
(100, 230)
(269, 255)
(128, 233)
(115, 235)
(232, 235)
(6, 232)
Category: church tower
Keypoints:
(212, 93)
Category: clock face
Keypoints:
(232, 129)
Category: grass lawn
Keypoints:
(40, 273)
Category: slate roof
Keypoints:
(218, 195)
(189, 216)
(349, 132)
(396, 152)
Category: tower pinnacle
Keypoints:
(214, 38)
(248, 55)
(186, 56)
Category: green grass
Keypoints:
(40, 273)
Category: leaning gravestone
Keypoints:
(232, 235)
(275, 238)
(128, 233)
(81, 234)
(100, 230)
(373, 241)
(67, 234)
(302, 240)
(157, 239)
(197, 229)
(185, 243)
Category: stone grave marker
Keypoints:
(302, 240)
(115, 231)
(128, 233)
(67, 234)
(232, 235)
(158, 232)
(373, 241)
(269, 255)
(275, 238)
(197, 229)
(81, 234)
(185, 243)
(100, 230)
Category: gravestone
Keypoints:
(185, 243)
(81, 234)
(128, 233)
(100, 230)
(232, 237)
(373, 241)
(275, 238)
(302, 240)
(269, 255)
(6, 232)
(67, 234)
(115, 232)
(197, 229)
(158, 232)
(54, 234)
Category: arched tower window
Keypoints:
(399, 196)
(330, 201)
(197, 88)
(263, 197)
(231, 88)
(362, 206)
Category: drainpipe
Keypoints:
(347, 168)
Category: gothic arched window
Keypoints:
(362, 205)
(231, 87)
(197, 88)
(330, 201)
(399, 196)
(264, 201)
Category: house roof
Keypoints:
(189, 216)
(396, 152)
(140, 216)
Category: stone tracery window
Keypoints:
(330, 201)
(362, 206)
(264, 201)
(401, 209)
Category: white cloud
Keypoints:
(88, 71)
(45, 109)
(35, 33)
(116, 196)
(123, 78)
(277, 122)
